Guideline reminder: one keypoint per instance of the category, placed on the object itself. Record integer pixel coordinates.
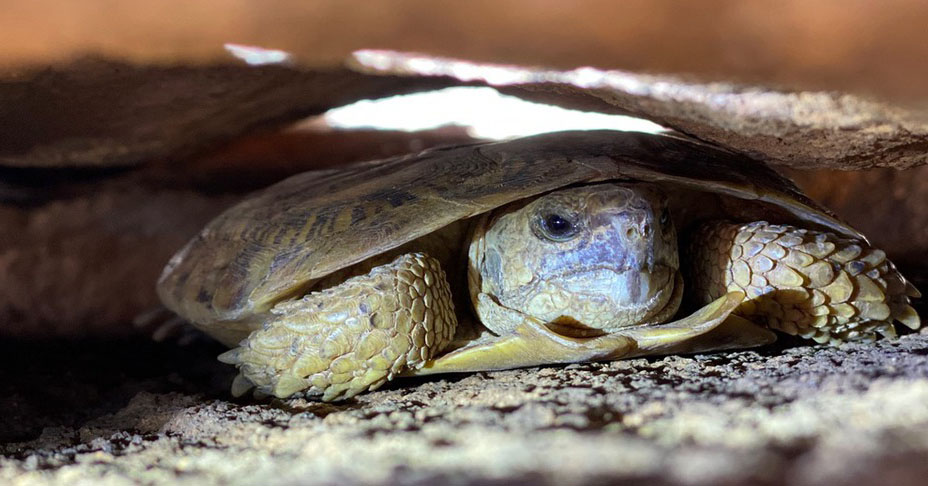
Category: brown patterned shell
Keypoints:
(305, 227)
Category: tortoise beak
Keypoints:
(646, 284)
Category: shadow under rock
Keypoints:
(66, 383)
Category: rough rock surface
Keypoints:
(768, 78)
(96, 113)
(799, 129)
(93, 113)
(854, 414)
(865, 47)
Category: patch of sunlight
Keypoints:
(484, 111)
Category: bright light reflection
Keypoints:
(486, 113)
(257, 56)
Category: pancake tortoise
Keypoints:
(557, 248)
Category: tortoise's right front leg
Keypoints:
(353, 337)
(802, 282)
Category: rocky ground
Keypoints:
(146, 413)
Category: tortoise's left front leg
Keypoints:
(352, 337)
(808, 283)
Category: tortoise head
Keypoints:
(586, 260)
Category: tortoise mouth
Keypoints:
(664, 297)
(674, 297)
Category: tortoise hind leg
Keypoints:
(352, 337)
(807, 283)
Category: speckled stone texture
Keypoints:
(790, 414)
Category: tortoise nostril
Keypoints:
(631, 233)
(647, 230)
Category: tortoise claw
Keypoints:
(232, 356)
(241, 385)
(909, 318)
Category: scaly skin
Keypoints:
(807, 283)
(352, 337)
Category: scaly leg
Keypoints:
(807, 283)
(353, 337)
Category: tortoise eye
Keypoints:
(555, 227)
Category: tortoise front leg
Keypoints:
(352, 337)
(807, 283)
